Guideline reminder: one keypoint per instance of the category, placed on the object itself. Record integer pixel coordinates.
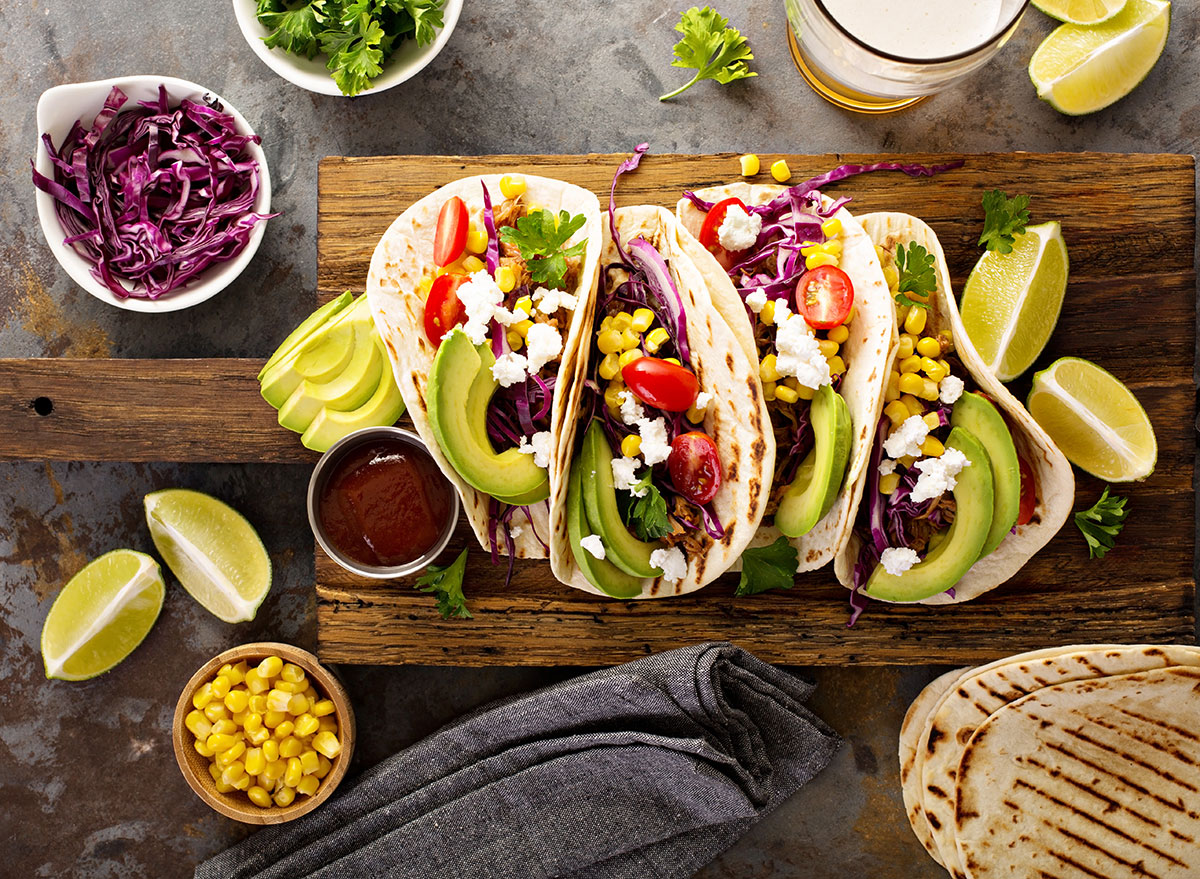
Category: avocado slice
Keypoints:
(383, 409)
(819, 478)
(319, 358)
(307, 327)
(349, 390)
(460, 387)
(949, 560)
(601, 573)
(976, 414)
(600, 502)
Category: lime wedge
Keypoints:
(1081, 69)
(1096, 421)
(212, 549)
(1011, 302)
(1080, 11)
(101, 615)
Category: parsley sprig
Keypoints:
(916, 274)
(1101, 523)
(711, 48)
(541, 237)
(768, 567)
(1004, 218)
(446, 582)
(647, 515)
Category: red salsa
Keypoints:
(385, 503)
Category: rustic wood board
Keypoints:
(1129, 223)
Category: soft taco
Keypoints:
(800, 283)
(963, 486)
(479, 292)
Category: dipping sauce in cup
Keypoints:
(379, 505)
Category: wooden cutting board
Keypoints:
(1129, 223)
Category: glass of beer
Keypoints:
(876, 56)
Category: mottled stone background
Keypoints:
(87, 779)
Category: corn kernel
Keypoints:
(225, 726)
(891, 276)
(944, 364)
(694, 415)
(610, 365)
(308, 786)
(233, 772)
(622, 321)
(893, 387)
(235, 752)
(911, 383)
(258, 703)
(215, 771)
(220, 687)
(832, 227)
(839, 334)
(311, 694)
(424, 286)
(807, 248)
(888, 483)
(766, 314)
(277, 701)
(291, 747)
(237, 701)
(780, 171)
(655, 339)
(274, 771)
(907, 461)
(525, 304)
(202, 749)
(259, 736)
(512, 185)
(630, 340)
(325, 767)
(222, 787)
(932, 420)
(786, 394)
(643, 319)
(631, 445)
(609, 341)
(310, 762)
(750, 164)
(270, 750)
(897, 412)
(284, 729)
(259, 796)
(216, 710)
(242, 783)
(910, 364)
(473, 264)
(849, 315)
(453, 268)
(915, 407)
(477, 238)
(255, 761)
(836, 365)
(820, 259)
(197, 724)
(906, 346)
(297, 705)
(515, 342)
(914, 322)
(506, 280)
(932, 368)
(930, 391)
(932, 447)
(270, 667)
(629, 356)
(329, 723)
(202, 696)
(767, 370)
(606, 324)
(828, 348)
(833, 248)
(239, 717)
(769, 391)
(327, 744)
(522, 328)
(928, 347)
(674, 360)
(286, 687)
(272, 719)
(294, 772)
(804, 393)
(612, 396)
(284, 797)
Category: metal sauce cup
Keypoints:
(316, 485)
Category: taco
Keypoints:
(963, 486)
(822, 355)
(479, 292)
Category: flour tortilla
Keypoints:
(403, 256)
(1052, 472)
(1085, 779)
(980, 692)
(735, 419)
(866, 352)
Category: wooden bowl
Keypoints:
(236, 804)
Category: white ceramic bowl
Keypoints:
(57, 110)
(311, 73)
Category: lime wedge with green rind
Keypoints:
(1080, 11)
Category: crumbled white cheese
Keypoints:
(907, 438)
(656, 448)
(671, 562)
(510, 369)
(549, 301)
(593, 544)
(702, 400)
(782, 311)
(539, 446)
(886, 466)
(937, 475)
(756, 300)
(483, 302)
(515, 531)
(739, 230)
(951, 389)
(898, 559)
(542, 344)
(631, 409)
(624, 470)
(798, 353)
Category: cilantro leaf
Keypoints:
(768, 567)
(1004, 218)
(426, 18)
(709, 47)
(294, 30)
(1101, 523)
(355, 57)
(445, 582)
(541, 237)
(916, 274)
(647, 515)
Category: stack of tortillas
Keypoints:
(1072, 763)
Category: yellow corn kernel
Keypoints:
(455, 267)
(286, 687)
(891, 276)
(222, 787)
(769, 391)
(274, 771)
(473, 264)
(631, 445)
(612, 396)
(215, 710)
(805, 393)
(629, 340)
(766, 314)
(807, 248)
(525, 304)
(202, 696)
(606, 324)
(202, 749)
(270, 750)
(836, 365)
(272, 719)
(477, 238)
(888, 483)
(893, 387)
(325, 767)
(285, 729)
(512, 185)
(694, 415)
(849, 315)
(610, 365)
(291, 747)
(238, 717)
(323, 707)
(880, 253)
(284, 797)
(424, 286)
(914, 322)
(231, 755)
(609, 341)
(914, 405)
(655, 339)
(327, 744)
(944, 364)
(750, 164)
(235, 673)
(329, 723)
(674, 360)
(253, 722)
(643, 319)
(197, 724)
(828, 347)
(910, 364)
(820, 259)
(220, 687)
(911, 383)
(932, 420)
(786, 394)
(907, 461)
(839, 334)
(833, 248)
(310, 762)
(277, 701)
(215, 771)
(514, 340)
(622, 321)
(929, 347)
(237, 700)
(906, 347)
(932, 368)
(297, 705)
(258, 703)
(832, 227)
(311, 694)
(270, 667)
(259, 796)
(294, 772)
(308, 786)
(233, 772)
(768, 371)
(258, 736)
(627, 357)
(255, 761)
(780, 171)
(225, 726)
(932, 447)
(522, 328)
(506, 280)
(930, 391)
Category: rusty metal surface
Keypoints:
(87, 779)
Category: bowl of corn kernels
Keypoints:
(263, 733)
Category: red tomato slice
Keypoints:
(661, 384)
(712, 226)
(824, 297)
(1028, 493)
(443, 311)
(695, 467)
(450, 238)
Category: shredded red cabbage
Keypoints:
(492, 256)
(153, 196)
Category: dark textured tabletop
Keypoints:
(88, 782)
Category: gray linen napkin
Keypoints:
(643, 771)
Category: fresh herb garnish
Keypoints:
(709, 47)
(768, 567)
(445, 582)
(916, 274)
(541, 237)
(647, 515)
(1004, 218)
(1101, 523)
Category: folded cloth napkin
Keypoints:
(644, 771)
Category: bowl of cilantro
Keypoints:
(347, 47)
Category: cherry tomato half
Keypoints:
(824, 297)
(695, 467)
(450, 238)
(710, 230)
(661, 384)
(1028, 493)
(443, 310)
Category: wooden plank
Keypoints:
(1130, 226)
